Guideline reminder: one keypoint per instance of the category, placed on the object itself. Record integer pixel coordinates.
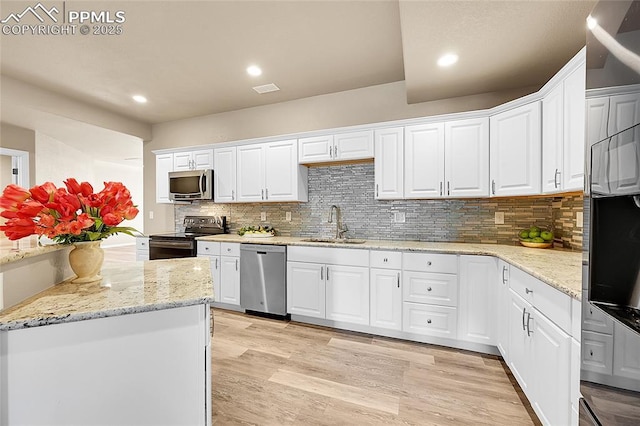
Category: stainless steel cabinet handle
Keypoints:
(262, 194)
(524, 312)
(448, 188)
(441, 189)
(236, 264)
(216, 263)
(376, 189)
(330, 152)
(398, 279)
(233, 194)
(327, 273)
(529, 331)
(385, 260)
(590, 311)
(527, 291)
(504, 271)
(555, 178)
(493, 187)
(321, 273)
(266, 193)
(429, 321)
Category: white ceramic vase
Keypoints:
(85, 260)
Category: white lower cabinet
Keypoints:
(502, 310)
(230, 274)
(211, 250)
(386, 299)
(521, 359)
(142, 248)
(347, 294)
(430, 320)
(477, 302)
(305, 289)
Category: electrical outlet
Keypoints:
(399, 217)
(287, 216)
(263, 216)
(150, 214)
(499, 218)
(579, 219)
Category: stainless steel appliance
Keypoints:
(190, 185)
(263, 278)
(610, 341)
(183, 244)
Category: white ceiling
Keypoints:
(189, 57)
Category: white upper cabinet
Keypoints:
(563, 140)
(340, 147)
(224, 174)
(597, 117)
(424, 161)
(389, 160)
(270, 172)
(193, 160)
(467, 158)
(624, 112)
(164, 165)
(515, 147)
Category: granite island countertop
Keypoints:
(125, 288)
(561, 269)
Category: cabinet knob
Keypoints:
(206, 248)
(428, 263)
(428, 288)
(429, 321)
(385, 260)
(591, 353)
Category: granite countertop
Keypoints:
(126, 288)
(12, 251)
(561, 269)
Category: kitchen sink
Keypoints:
(334, 240)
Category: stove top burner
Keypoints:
(625, 314)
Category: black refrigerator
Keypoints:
(610, 340)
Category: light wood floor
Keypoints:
(270, 372)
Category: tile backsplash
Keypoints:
(351, 188)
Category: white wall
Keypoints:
(57, 161)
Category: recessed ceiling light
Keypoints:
(139, 99)
(447, 60)
(591, 22)
(254, 70)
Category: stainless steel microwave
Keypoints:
(191, 185)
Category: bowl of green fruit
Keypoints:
(262, 231)
(536, 237)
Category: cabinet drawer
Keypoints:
(437, 289)
(230, 249)
(208, 248)
(386, 259)
(597, 352)
(142, 243)
(430, 262)
(429, 320)
(593, 319)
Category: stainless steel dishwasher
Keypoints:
(263, 281)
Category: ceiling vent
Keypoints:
(266, 88)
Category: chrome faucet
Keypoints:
(340, 229)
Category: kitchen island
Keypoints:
(131, 349)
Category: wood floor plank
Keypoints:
(382, 350)
(343, 392)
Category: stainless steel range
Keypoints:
(183, 244)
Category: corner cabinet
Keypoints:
(477, 301)
(270, 172)
(515, 147)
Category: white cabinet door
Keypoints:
(574, 122)
(250, 183)
(424, 161)
(215, 275)
(552, 366)
(202, 159)
(281, 171)
(224, 175)
(316, 149)
(502, 310)
(347, 294)
(521, 359)
(389, 161)
(306, 289)
(182, 161)
(467, 158)
(353, 146)
(624, 112)
(229, 280)
(164, 165)
(477, 306)
(386, 299)
(597, 119)
(552, 137)
(515, 147)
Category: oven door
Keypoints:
(170, 249)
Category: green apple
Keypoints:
(547, 235)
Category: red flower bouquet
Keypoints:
(68, 215)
